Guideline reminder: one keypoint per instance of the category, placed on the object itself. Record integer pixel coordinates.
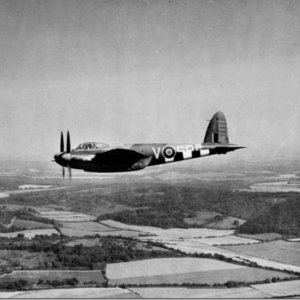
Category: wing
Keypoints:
(121, 159)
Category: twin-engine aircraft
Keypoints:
(99, 157)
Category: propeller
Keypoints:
(61, 142)
(68, 150)
(68, 142)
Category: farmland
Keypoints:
(33, 276)
(186, 271)
(144, 230)
(27, 225)
(280, 289)
(265, 237)
(29, 234)
(73, 293)
(86, 226)
(183, 293)
(172, 233)
(281, 251)
(64, 216)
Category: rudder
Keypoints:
(217, 130)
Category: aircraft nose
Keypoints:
(62, 158)
(57, 158)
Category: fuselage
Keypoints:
(131, 157)
(99, 157)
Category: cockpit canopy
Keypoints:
(91, 146)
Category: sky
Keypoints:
(127, 71)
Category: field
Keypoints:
(81, 233)
(193, 246)
(205, 277)
(279, 186)
(32, 276)
(185, 270)
(72, 293)
(34, 186)
(164, 266)
(87, 226)
(30, 233)
(182, 293)
(172, 233)
(281, 251)
(280, 289)
(228, 240)
(27, 225)
(294, 240)
(265, 237)
(64, 216)
(92, 242)
(191, 210)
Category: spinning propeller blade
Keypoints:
(68, 142)
(62, 152)
(61, 142)
(70, 173)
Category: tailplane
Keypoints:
(216, 132)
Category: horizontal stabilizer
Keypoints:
(222, 148)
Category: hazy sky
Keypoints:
(149, 71)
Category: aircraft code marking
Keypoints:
(156, 154)
(180, 152)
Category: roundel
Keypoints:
(169, 152)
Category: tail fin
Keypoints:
(217, 130)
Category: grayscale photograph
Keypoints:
(149, 149)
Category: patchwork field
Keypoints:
(280, 251)
(193, 246)
(172, 233)
(35, 275)
(185, 270)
